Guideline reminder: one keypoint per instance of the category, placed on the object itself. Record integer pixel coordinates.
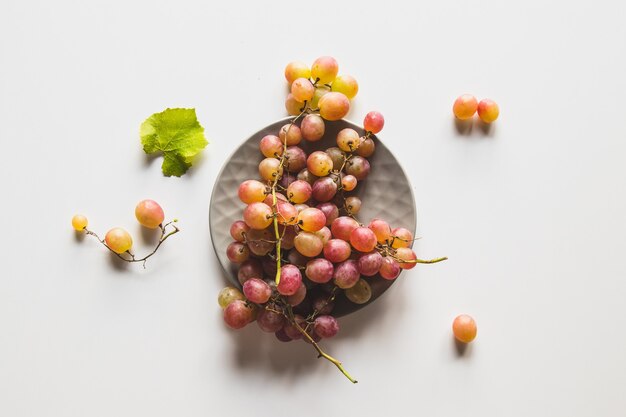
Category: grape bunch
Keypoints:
(300, 244)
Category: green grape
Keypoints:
(360, 293)
(227, 295)
(347, 85)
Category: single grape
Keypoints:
(464, 328)
(334, 106)
(366, 148)
(149, 214)
(373, 122)
(382, 230)
(312, 127)
(305, 175)
(257, 291)
(389, 269)
(326, 326)
(324, 234)
(319, 163)
(360, 293)
(342, 227)
(358, 166)
(324, 70)
(346, 274)
(258, 215)
(282, 335)
(292, 331)
(308, 244)
(118, 240)
(348, 182)
(296, 258)
(324, 189)
(295, 70)
(288, 235)
(320, 91)
(79, 222)
(298, 297)
(348, 140)
(407, 255)
(311, 219)
(337, 155)
(238, 230)
(269, 199)
(238, 314)
(237, 252)
(296, 159)
(293, 106)
(337, 250)
(402, 238)
(299, 192)
(290, 280)
(227, 295)
(302, 89)
(271, 146)
(290, 133)
(488, 110)
(323, 305)
(330, 210)
(465, 106)
(319, 270)
(363, 239)
(347, 85)
(286, 179)
(270, 321)
(251, 268)
(353, 204)
(286, 213)
(369, 264)
(251, 191)
(260, 242)
(270, 168)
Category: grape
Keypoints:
(319, 270)
(227, 295)
(353, 204)
(334, 106)
(282, 335)
(295, 70)
(298, 297)
(260, 242)
(366, 148)
(237, 252)
(348, 139)
(311, 219)
(406, 254)
(337, 250)
(320, 91)
(79, 222)
(270, 321)
(257, 290)
(324, 234)
(402, 238)
(342, 227)
(296, 159)
(323, 305)
(337, 156)
(237, 314)
(369, 264)
(348, 182)
(286, 213)
(381, 229)
(319, 163)
(324, 189)
(465, 106)
(464, 328)
(326, 326)
(290, 133)
(118, 240)
(488, 110)
(306, 176)
(296, 258)
(360, 293)
(347, 85)
(324, 70)
(363, 239)
(238, 230)
(286, 179)
(389, 268)
(330, 210)
(250, 268)
(292, 331)
(149, 214)
(269, 267)
(271, 146)
(258, 215)
(301, 207)
(288, 236)
(308, 244)
(293, 106)
(299, 191)
(269, 199)
(358, 166)
(373, 122)
(312, 127)
(270, 168)
(252, 191)
(302, 89)
(290, 280)
(346, 274)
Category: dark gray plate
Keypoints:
(386, 194)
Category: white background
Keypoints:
(531, 213)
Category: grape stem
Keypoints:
(164, 235)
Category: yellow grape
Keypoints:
(488, 110)
(347, 85)
(119, 240)
(320, 91)
(324, 69)
(302, 89)
(319, 163)
(348, 139)
(465, 106)
(79, 222)
(293, 106)
(270, 168)
(464, 328)
(295, 70)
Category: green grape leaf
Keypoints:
(177, 134)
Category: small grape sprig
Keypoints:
(117, 240)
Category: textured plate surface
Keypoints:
(386, 193)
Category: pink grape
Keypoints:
(464, 107)
(308, 244)
(118, 240)
(373, 122)
(324, 70)
(347, 85)
(358, 166)
(337, 155)
(270, 168)
(312, 127)
(324, 189)
(369, 264)
(299, 191)
(360, 293)
(238, 230)
(337, 250)
(290, 133)
(381, 229)
(319, 163)
(237, 252)
(324, 234)
(353, 204)
(290, 280)
(311, 219)
(258, 215)
(257, 290)
(346, 274)
(286, 213)
(298, 297)
(306, 176)
(295, 70)
(326, 326)
(271, 146)
(342, 227)
(488, 110)
(260, 242)
(363, 239)
(237, 314)
(348, 182)
(250, 268)
(406, 255)
(366, 148)
(270, 321)
(389, 269)
(334, 106)
(293, 106)
(319, 270)
(302, 89)
(323, 305)
(251, 191)
(269, 199)
(149, 214)
(330, 210)
(296, 159)
(402, 238)
(348, 139)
